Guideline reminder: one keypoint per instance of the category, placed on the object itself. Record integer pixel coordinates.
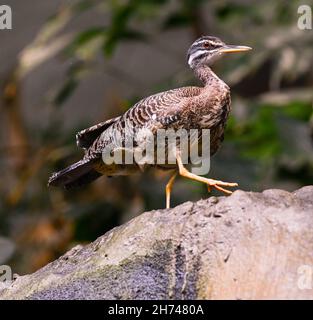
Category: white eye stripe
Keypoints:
(200, 51)
(201, 41)
(195, 55)
(211, 42)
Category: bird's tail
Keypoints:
(76, 175)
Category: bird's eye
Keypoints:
(206, 45)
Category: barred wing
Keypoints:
(158, 111)
(86, 137)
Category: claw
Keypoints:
(211, 183)
(217, 187)
(222, 189)
(225, 184)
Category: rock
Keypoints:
(245, 246)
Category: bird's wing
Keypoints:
(164, 107)
(160, 110)
(86, 137)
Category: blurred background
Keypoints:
(68, 64)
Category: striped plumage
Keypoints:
(205, 107)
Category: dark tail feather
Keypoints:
(75, 175)
(84, 179)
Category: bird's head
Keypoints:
(207, 49)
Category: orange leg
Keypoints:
(168, 190)
(209, 182)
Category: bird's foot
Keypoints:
(211, 183)
(218, 185)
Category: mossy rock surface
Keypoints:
(245, 246)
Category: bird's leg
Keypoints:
(168, 190)
(209, 182)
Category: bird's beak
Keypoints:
(232, 48)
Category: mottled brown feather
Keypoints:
(204, 107)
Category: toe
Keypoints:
(222, 189)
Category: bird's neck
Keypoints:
(206, 75)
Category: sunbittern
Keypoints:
(204, 107)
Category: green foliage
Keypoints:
(284, 12)
(67, 89)
(183, 17)
(233, 11)
(299, 110)
(258, 137)
(83, 39)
